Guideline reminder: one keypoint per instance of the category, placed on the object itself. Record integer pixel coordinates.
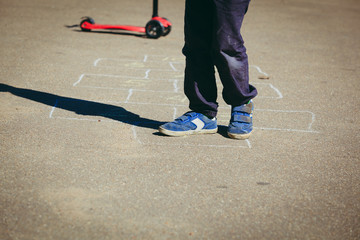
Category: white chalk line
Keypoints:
(196, 145)
(148, 103)
(97, 61)
(147, 74)
(79, 80)
(127, 89)
(146, 77)
(160, 58)
(276, 90)
(133, 128)
(248, 142)
(145, 59)
(259, 70)
(118, 68)
(175, 112)
(129, 95)
(173, 67)
(175, 84)
(286, 130)
(53, 108)
(85, 119)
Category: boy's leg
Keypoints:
(230, 53)
(200, 84)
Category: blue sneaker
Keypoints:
(240, 126)
(189, 123)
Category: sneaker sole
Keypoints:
(239, 136)
(184, 133)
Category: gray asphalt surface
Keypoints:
(81, 157)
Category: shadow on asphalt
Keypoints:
(83, 107)
(222, 130)
(115, 33)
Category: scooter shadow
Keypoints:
(83, 107)
(119, 32)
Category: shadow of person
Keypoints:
(82, 107)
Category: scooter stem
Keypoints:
(155, 8)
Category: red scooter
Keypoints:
(155, 28)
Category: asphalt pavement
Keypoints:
(81, 157)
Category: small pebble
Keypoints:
(263, 77)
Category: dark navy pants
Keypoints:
(212, 38)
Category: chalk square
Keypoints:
(280, 120)
(134, 64)
(126, 82)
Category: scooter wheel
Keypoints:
(86, 20)
(154, 29)
(167, 29)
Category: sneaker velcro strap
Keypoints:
(241, 118)
(186, 116)
(246, 108)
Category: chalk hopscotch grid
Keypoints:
(175, 113)
(176, 89)
(175, 83)
(144, 59)
(172, 64)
